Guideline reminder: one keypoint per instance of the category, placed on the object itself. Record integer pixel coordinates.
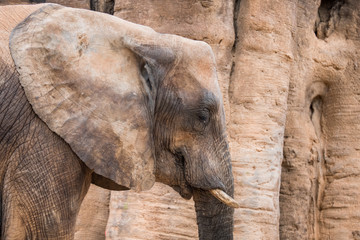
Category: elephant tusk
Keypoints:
(223, 197)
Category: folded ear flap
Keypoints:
(85, 82)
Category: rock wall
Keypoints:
(289, 74)
(70, 3)
(94, 214)
(258, 101)
(320, 173)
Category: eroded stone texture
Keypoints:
(13, 2)
(105, 6)
(155, 214)
(93, 215)
(258, 101)
(73, 3)
(320, 172)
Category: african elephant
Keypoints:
(89, 98)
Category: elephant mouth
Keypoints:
(186, 190)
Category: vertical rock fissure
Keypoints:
(105, 6)
(233, 49)
(93, 4)
(317, 153)
(327, 18)
(235, 25)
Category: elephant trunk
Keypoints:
(214, 218)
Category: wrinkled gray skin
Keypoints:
(43, 181)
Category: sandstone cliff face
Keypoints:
(69, 3)
(94, 214)
(289, 74)
(320, 177)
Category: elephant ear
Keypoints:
(84, 80)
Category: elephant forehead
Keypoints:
(200, 62)
(195, 84)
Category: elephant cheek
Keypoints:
(167, 170)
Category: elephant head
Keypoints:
(135, 106)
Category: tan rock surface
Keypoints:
(320, 177)
(13, 2)
(258, 95)
(159, 213)
(73, 3)
(93, 215)
(69, 3)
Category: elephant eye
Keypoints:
(204, 116)
(203, 119)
